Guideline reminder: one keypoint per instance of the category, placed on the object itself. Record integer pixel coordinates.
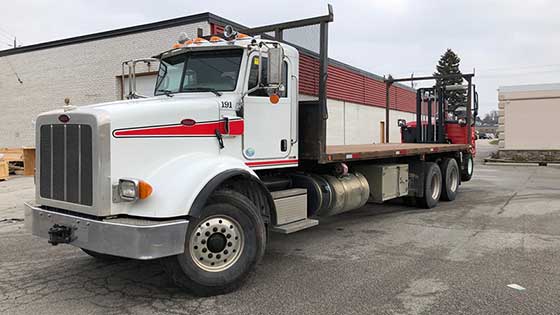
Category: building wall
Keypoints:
(353, 85)
(528, 115)
(351, 123)
(86, 73)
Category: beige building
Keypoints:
(527, 121)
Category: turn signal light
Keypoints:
(144, 190)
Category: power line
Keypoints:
(493, 70)
(6, 32)
(14, 71)
(6, 36)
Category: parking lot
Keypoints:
(504, 228)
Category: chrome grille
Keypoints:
(66, 172)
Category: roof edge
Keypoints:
(206, 16)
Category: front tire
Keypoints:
(432, 186)
(221, 247)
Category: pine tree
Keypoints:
(449, 64)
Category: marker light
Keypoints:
(176, 45)
(199, 40)
(215, 39)
(241, 36)
(274, 98)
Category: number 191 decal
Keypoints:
(227, 104)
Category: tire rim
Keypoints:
(217, 243)
(453, 179)
(470, 166)
(435, 185)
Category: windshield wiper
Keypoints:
(166, 92)
(203, 89)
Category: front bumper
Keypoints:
(132, 238)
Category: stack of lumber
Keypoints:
(4, 169)
(17, 161)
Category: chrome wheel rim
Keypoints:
(453, 179)
(435, 185)
(470, 166)
(217, 243)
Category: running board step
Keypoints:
(295, 226)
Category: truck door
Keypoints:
(267, 125)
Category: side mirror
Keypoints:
(274, 67)
(401, 123)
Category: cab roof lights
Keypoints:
(215, 39)
(199, 40)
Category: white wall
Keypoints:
(351, 123)
(84, 72)
(529, 116)
(144, 85)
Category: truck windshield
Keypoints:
(199, 71)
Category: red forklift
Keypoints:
(440, 122)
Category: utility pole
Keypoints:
(15, 42)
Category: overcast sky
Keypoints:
(508, 42)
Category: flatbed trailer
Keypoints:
(345, 153)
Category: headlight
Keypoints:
(128, 189)
(131, 189)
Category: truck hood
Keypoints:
(157, 111)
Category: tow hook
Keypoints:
(60, 234)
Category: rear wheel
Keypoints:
(450, 176)
(221, 247)
(432, 186)
(467, 167)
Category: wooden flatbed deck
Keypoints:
(387, 150)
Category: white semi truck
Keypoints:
(224, 153)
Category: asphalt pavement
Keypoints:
(457, 258)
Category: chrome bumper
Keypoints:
(145, 240)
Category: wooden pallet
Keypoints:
(14, 156)
(4, 170)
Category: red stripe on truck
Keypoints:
(275, 162)
(198, 129)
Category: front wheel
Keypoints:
(221, 247)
